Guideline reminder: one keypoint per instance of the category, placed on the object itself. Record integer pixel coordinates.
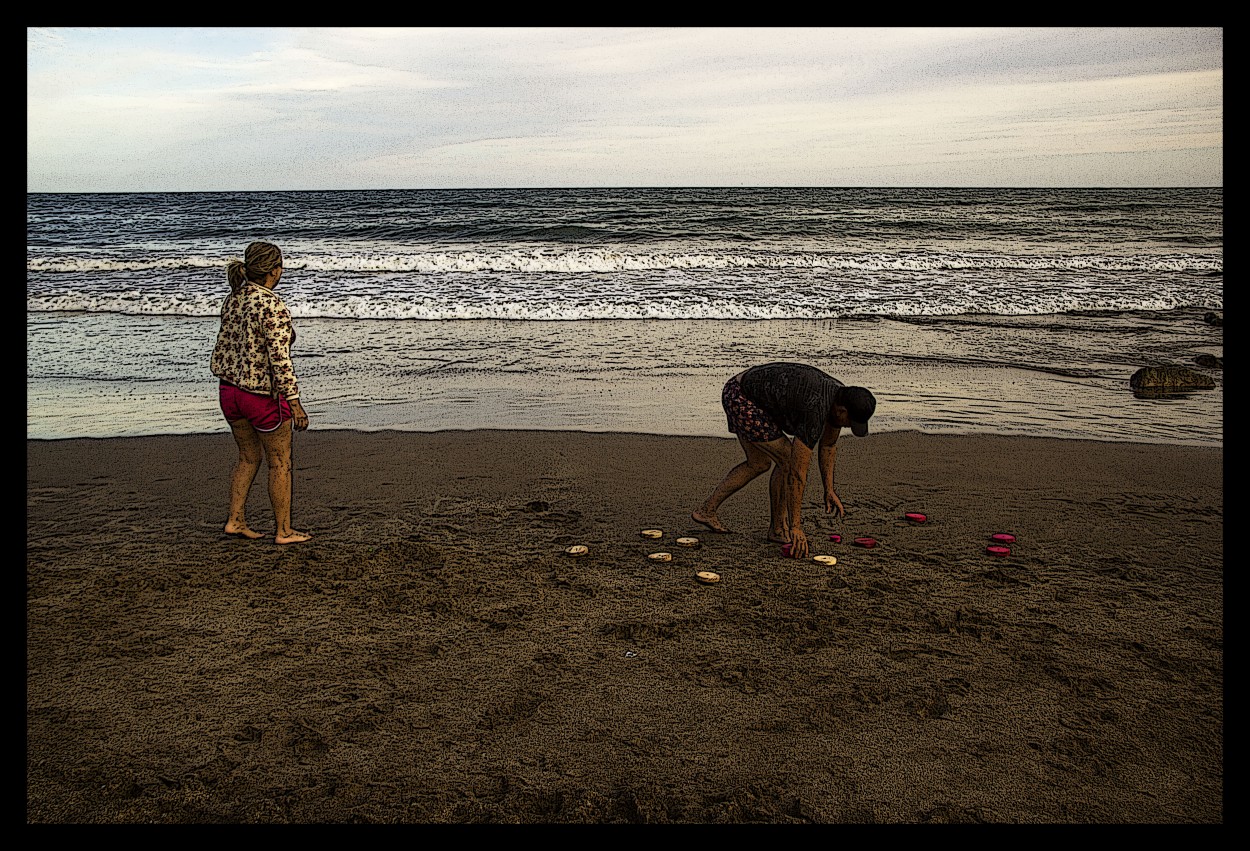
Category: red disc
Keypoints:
(1003, 538)
(837, 539)
(916, 518)
(866, 542)
(998, 551)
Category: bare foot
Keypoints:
(241, 530)
(292, 537)
(709, 520)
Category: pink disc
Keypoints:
(998, 551)
(916, 518)
(1003, 538)
(866, 542)
(837, 539)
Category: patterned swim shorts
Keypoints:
(745, 418)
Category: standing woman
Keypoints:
(259, 393)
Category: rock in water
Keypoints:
(1209, 361)
(1169, 379)
(1213, 318)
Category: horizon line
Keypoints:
(1105, 187)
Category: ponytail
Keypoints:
(236, 274)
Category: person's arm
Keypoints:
(279, 334)
(795, 487)
(828, 457)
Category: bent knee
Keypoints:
(278, 462)
(251, 457)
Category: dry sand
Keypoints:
(434, 656)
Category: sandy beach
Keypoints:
(434, 656)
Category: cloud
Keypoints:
(214, 108)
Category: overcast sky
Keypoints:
(203, 109)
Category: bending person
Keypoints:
(763, 405)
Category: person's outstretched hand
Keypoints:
(832, 502)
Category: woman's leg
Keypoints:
(756, 462)
(778, 497)
(250, 454)
(277, 445)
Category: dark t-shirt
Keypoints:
(797, 396)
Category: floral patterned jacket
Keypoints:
(253, 348)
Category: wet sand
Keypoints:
(434, 656)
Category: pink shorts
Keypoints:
(264, 413)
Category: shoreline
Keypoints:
(434, 656)
(846, 436)
(1025, 375)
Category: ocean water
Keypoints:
(965, 311)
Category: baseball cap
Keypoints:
(860, 405)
